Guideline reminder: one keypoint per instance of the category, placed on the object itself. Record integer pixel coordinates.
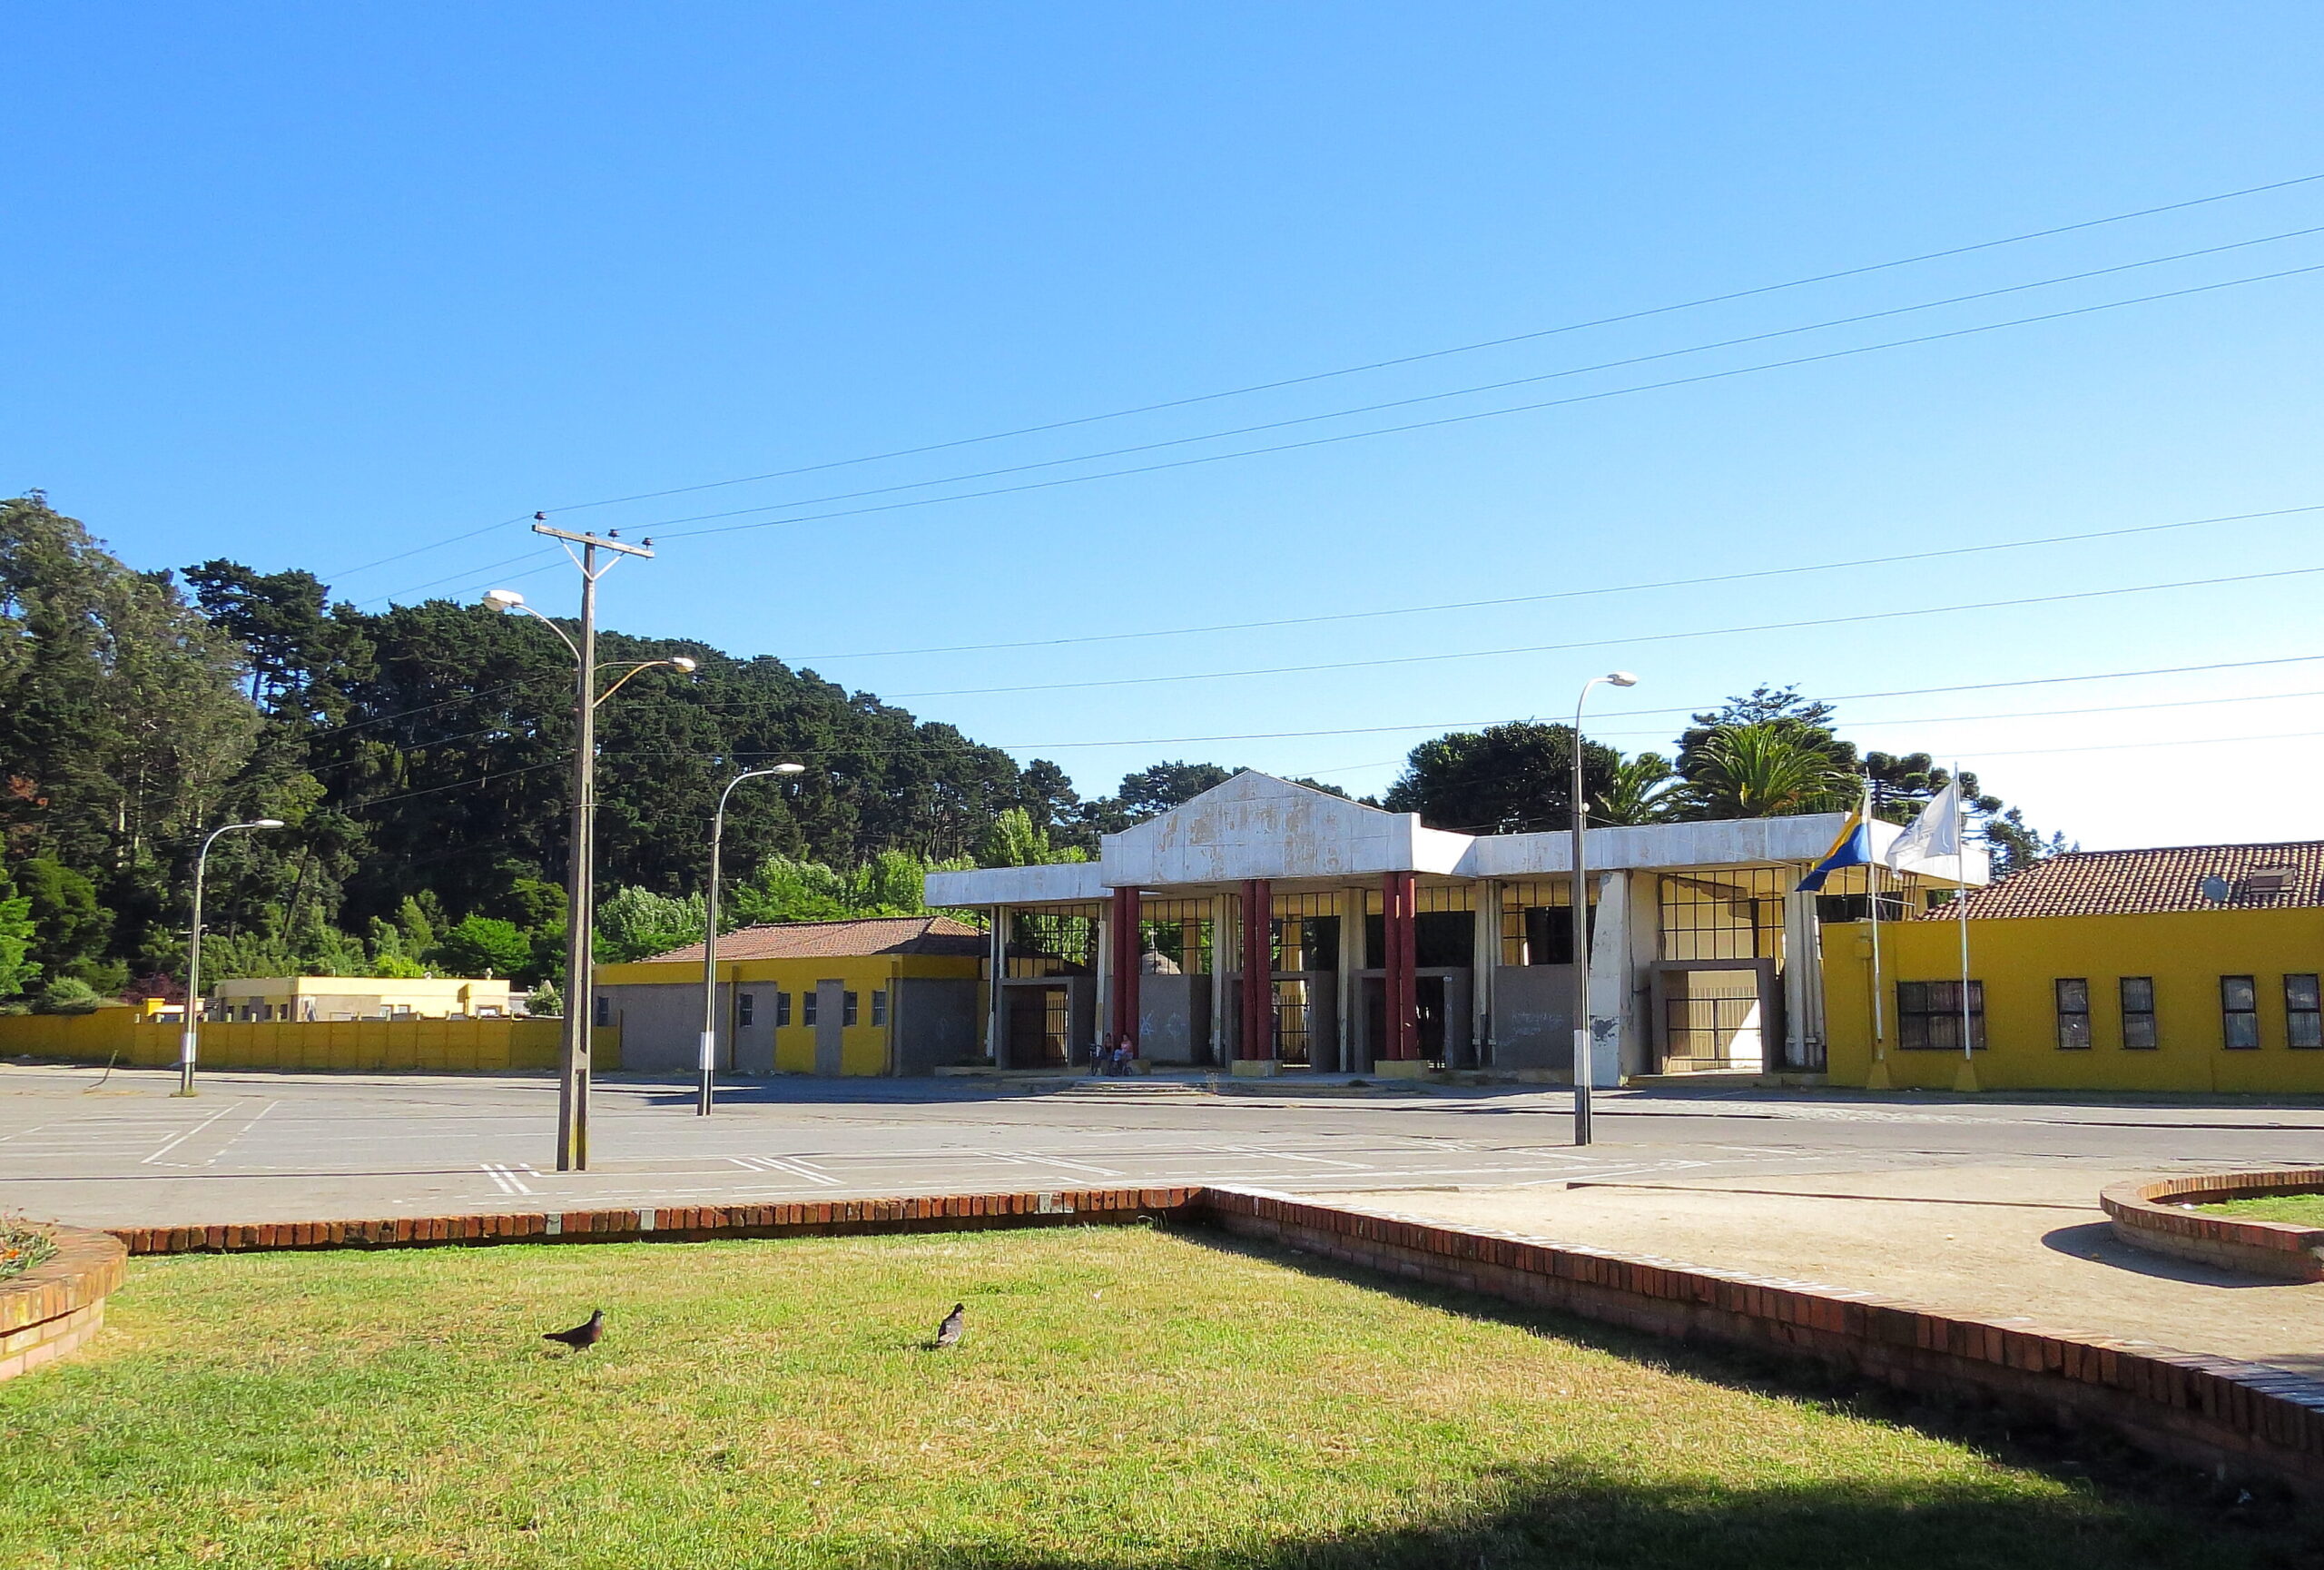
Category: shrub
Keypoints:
(66, 995)
(23, 1245)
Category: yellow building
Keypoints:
(882, 995)
(307, 999)
(2189, 968)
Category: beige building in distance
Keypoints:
(304, 998)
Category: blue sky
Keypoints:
(315, 286)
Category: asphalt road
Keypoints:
(273, 1146)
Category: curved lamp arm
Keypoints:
(676, 662)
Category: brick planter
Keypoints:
(52, 1307)
(2155, 1215)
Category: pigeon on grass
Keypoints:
(954, 1326)
(583, 1336)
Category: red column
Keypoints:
(1400, 996)
(1258, 971)
(1121, 1015)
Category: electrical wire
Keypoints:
(1709, 579)
(1623, 640)
(1392, 362)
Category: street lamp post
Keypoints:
(710, 933)
(573, 1058)
(1583, 1066)
(189, 1036)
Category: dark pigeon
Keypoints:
(954, 1326)
(587, 1334)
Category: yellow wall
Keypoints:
(428, 1046)
(2185, 952)
(864, 1046)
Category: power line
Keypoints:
(1495, 413)
(1581, 593)
(1442, 353)
(1384, 364)
(1502, 386)
(1620, 641)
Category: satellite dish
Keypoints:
(2215, 889)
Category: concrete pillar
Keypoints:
(1398, 903)
(1483, 962)
(1803, 983)
(1122, 1020)
(1224, 947)
(1102, 1010)
(996, 1023)
(1257, 1038)
(1609, 978)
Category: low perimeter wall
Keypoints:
(2155, 1215)
(2231, 1417)
(373, 1046)
(55, 1306)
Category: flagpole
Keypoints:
(1871, 901)
(1961, 905)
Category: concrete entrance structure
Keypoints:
(1387, 946)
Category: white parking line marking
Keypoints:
(181, 1138)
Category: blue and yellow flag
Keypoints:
(1852, 849)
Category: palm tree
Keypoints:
(1766, 769)
(1640, 792)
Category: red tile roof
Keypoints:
(2280, 877)
(858, 939)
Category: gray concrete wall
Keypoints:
(1532, 1017)
(661, 1027)
(935, 1021)
(1173, 1019)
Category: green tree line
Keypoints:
(420, 758)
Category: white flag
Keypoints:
(1935, 834)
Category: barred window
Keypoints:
(847, 1008)
(2138, 1012)
(745, 1005)
(782, 1010)
(879, 1006)
(807, 1000)
(2073, 1013)
(1928, 1016)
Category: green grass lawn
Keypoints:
(1123, 1397)
(2301, 1209)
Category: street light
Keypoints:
(710, 933)
(573, 1057)
(1584, 1068)
(190, 1035)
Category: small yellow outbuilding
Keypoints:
(2186, 968)
(879, 995)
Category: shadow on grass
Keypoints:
(2109, 1476)
(1571, 1516)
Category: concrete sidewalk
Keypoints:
(1993, 1242)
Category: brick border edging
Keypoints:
(2282, 1250)
(681, 1223)
(58, 1304)
(2216, 1413)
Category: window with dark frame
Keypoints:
(2073, 1013)
(1928, 1016)
(2138, 1012)
(879, 1005)
(807, 999)
(604, 1009)
(782, 1010)
(847, 1008)
(2303, 1018)
(745, 1005)
(2238, 1012)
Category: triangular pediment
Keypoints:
(1256, 825)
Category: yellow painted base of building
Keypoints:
(1255, 1068)
(362, 1046)
(1400, 1069)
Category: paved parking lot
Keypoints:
(270, 1147)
